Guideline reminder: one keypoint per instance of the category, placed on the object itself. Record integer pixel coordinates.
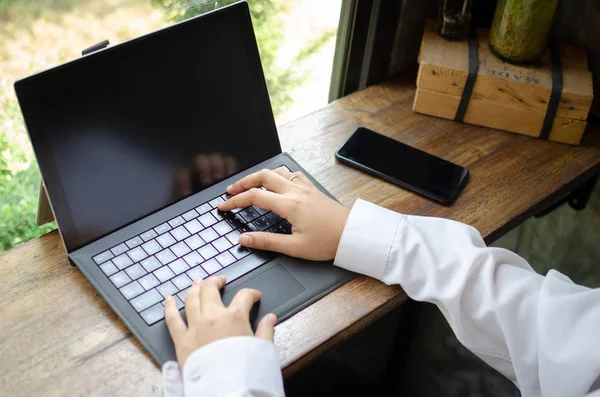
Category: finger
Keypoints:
(266, 327)
(184, 182)
(230, 166)
(210, 298)
(217, 166)
(283, 243)
(299, 176)
(261, 198)
(202, 165)
(243, 301)
(283, 172)
(175, 324)
(267, 178)
(192, 304)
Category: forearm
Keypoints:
(490, 296)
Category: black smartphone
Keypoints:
(431, 176)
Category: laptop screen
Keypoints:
(132, 129)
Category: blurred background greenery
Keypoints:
(295, 38)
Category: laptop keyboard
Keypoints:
(201, 242)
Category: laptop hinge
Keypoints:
(96, 47)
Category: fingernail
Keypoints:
(246, 239)
(168, 298)
(229, 187)
(223, 279)
(271, 318)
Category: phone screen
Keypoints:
(414, 169)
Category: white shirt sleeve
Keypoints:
(543, 333)
(240, 366)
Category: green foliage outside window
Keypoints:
(19, 184)
(268, 28)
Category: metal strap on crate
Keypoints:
(557, 87)
(471, 77)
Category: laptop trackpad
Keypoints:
(277, 286)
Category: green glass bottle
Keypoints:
(520, 29)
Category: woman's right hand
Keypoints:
(317, 220)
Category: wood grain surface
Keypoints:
(491, 115)
(58, 337)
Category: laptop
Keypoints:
(136, 144)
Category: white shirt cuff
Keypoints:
(367, 239)
(228, 366)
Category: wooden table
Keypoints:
(58, 337)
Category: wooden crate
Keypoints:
(507, 97)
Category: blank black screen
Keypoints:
(124, 132)
(410, 167)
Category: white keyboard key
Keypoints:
(160, 229)
(182, 281)
(135, 271)
(164, 274)
(146, 300)
(165, 256)
(153, 314)
(134, 242)
(137, 254)
(208, 251)
(204, 208)
(119, 249)
(234, 237)
(193, 226)
(179, 266)
(215, 202)
(167, 289)
(222, 228)
(149, 281)
(208, 235)
(150, 264)
(176, 221)
(194, 242)
(166, 240)
(207, 220)
(120, 279)
(225, 259)
(131, 290)
(180, 233)
(191, 214)
(180, 249)
(149, 235)
(103, 257)
(222, 244)
(193, 258)
(211, 266)
(151, 247)
(109, 268)
(122, 261)
(197, 273)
